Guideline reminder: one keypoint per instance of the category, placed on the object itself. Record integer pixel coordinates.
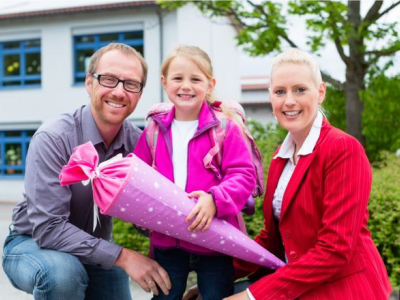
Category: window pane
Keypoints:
(33, 64)
(11, 65)
(84, 39)
(139, 49)
(109, 37)
(11, 45)
(134, 35)
(12, 133)
(33, 43)
(13, 154)
(12, 83)
(30, 132)
(32, 82)
(83, 57)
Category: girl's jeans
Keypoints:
(50, 274)
(214, 273)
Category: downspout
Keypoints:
(160, 22)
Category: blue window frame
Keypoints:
(86, 45)
(13, 149)
(20, 64)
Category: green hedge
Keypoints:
(384, 208)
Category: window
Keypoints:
(86, 45)
(20, 64)
(13, 148)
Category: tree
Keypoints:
(262, 28)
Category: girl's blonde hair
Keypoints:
(203, 62)
(296, 56)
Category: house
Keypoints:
(45, 48)
(255, 98)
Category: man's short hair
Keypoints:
(126, 49)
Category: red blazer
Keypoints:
(323, 227)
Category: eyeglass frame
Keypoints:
(98, 76)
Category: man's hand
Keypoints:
(204, 211)
(145, 271)
(241, 296)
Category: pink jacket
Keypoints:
(230, 191)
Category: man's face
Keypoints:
(111, 106)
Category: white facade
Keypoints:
(26, 108)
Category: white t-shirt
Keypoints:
(182, 133)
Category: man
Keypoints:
(52, 251)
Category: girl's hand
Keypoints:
(204, 211)
(241, 296)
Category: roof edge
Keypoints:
(77, 9)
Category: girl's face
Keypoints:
(295, 98)
(186, 86)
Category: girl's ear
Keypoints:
(211, 85)
(163, 81)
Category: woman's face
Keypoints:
(295, 98)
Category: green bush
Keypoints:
(384, 208)
(126, 235)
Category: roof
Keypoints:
(28, 9)
(254, 83)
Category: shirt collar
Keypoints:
(288, 146)
(91, 132)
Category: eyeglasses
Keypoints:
(111, 82)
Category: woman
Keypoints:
(315, 205)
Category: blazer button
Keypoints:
(288, 234)
(293, 254)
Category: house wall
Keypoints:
(27, 108)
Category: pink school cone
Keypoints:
(129, 189)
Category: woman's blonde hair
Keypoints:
(203, 62)
(296, 56)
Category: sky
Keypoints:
(329, 60)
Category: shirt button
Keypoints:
(288, 234)
(283, 297)
(293, 254)
(290, 295)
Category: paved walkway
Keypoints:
(8, 292)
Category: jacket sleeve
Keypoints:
(48, 206)
(347, 183)
(239, 174)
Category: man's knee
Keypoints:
(42, 271)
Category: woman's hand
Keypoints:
(204, 211)
(241, 296)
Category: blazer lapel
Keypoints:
(274, 173)
(295, 181)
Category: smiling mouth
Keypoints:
(292, 113)
(114, 105)
(185, 96)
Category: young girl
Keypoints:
(183, 142)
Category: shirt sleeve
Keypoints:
(239, 177)
(49, 206)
